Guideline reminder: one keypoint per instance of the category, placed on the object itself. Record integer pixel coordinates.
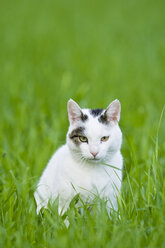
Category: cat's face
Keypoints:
(94, 135)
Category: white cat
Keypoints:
(81, 165)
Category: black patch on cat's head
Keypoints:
(74, 135)
(84, 117)
(96, 112)
(102, 116)
(103, 119)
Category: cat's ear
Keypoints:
(112, 113)
(74, 111)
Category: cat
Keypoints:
(90, 163)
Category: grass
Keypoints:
(93, 52)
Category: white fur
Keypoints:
(71, 169)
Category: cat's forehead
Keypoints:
(93, 125)
(93, 113)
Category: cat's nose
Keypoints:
(94, 154)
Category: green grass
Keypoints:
(93, 52)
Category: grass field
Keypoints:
(93, 52)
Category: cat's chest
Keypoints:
(87, 178)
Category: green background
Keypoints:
(93, 52)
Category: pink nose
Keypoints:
(94, 153)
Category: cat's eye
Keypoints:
(83, 139)
(104, 138)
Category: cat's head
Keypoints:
(94, 134)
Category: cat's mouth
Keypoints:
(94, 159)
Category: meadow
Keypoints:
(93, 52)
